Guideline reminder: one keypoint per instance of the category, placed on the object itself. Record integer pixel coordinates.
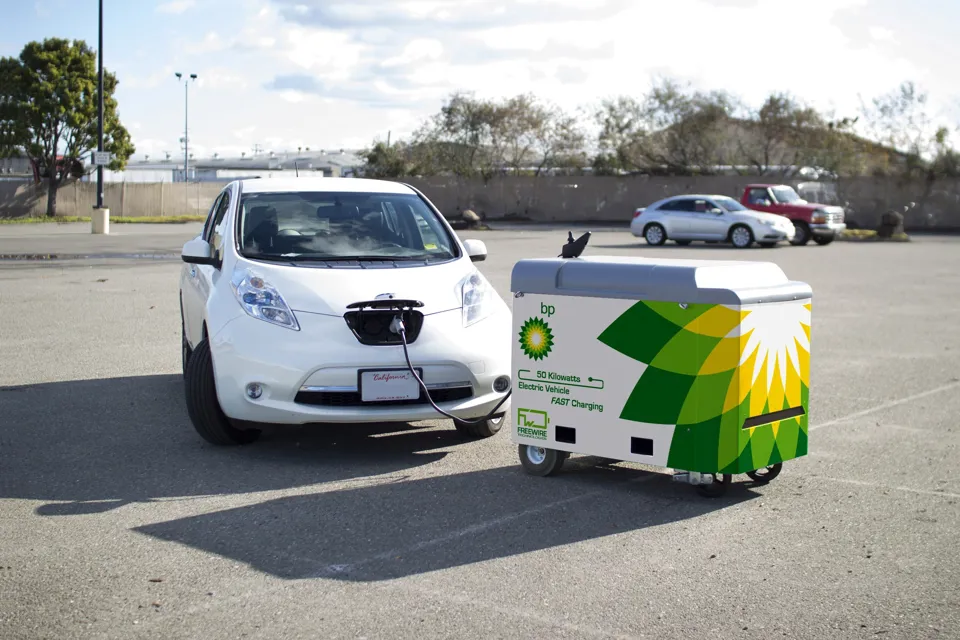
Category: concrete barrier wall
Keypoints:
(133, 199)
(544, 199)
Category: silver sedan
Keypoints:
(711, 218)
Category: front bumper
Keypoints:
(775, 234)
(311, 375)
(828, 228)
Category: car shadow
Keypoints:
(95, 445)
(396, 529)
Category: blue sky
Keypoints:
(334, 73)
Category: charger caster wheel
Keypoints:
(719, 486)
(765, 475)
(540, 461)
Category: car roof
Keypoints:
(323, 184)
(708, 196)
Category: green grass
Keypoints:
(113, 219)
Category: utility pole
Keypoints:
(100, 110)
(100, 220)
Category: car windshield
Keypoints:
(729, 204)
(341, 226)
(786, 195)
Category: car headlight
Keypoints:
(262, 301)
(819, 216)
(477, 295)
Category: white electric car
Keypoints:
(286, 301)
(711, 218)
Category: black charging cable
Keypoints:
(397, 326)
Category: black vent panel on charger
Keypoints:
(372, 326)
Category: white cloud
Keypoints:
(882, 34)
(344, 70)
(222, 78)
(211, 42)
(175, 6)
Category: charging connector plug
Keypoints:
(397, 326)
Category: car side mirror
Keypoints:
(198, 251)
(716, 211)
(476, 249)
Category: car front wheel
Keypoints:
(802, 234)
(824, 240)
(202, 404)
(485, 429)
(741, 236)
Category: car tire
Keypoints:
(741, 236)
(682, 243)
(203, 406)
(655, 234)
(485, 429)
(824, 240)
(802, 234)
(185, 351)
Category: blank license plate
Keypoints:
(387, 386)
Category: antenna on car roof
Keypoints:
(296, 168)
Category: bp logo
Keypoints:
(536, 339)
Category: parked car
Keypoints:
(710, 218)
(820, 222)
(281, 300)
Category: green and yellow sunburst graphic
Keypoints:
(536, 339)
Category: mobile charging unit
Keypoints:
(701, 367)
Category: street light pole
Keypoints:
(100, 111)
(186, 141)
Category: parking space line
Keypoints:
(877, 485)
(477, 603)
(466, 531)
(887, 405)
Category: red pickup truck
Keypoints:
(822, 223)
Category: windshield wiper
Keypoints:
(267, 257)
(358, 258)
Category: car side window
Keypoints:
(208, 224)
(216, 233)
(686, 205)
(757, 196)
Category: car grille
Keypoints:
(372, 326)
(834, 218)
(352, 398)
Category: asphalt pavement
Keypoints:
(118, 521)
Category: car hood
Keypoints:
(810, 207)
(313, 288)
(761, 216)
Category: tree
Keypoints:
(779, 134)
(463, 137)
(622, 133)
(688, 127)
(385, 161)
(672, 127)
(53, 87)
